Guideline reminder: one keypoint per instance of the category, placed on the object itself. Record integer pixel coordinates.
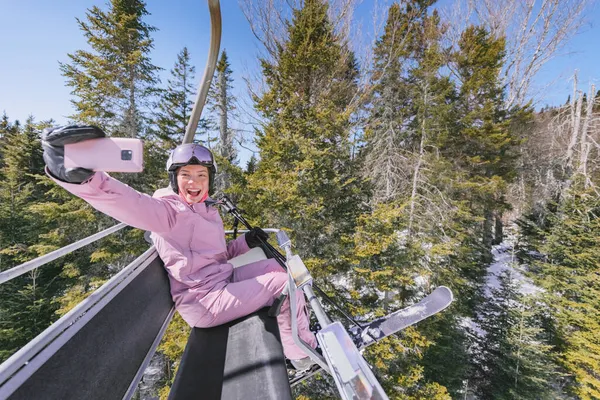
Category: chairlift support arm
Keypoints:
(211, 64)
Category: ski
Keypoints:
(385, 326)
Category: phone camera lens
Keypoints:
(126, 155)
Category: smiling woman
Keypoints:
(192, 167)
(189, 236)
(193, 183)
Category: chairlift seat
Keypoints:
(103, 353)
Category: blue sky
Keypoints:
(35, 35)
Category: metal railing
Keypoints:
(46, 258)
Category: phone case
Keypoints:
(106, 154)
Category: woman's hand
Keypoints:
(53, 142)
(254, 236)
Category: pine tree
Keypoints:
(175, 103)
(403, 245)
(6, 128)
(22, 162)
(485, 148)
(251, 165)
(114, 80)
(305, 175)
(570, 274)
(222, 103)
(383, 151)
(27, 301)
(410, 118)
(306, 181)
(512, 353)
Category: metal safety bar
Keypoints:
(46, 258)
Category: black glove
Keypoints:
(254, 235)
(53, 142)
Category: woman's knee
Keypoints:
(273, 266)
(206, 320)
(275, 281)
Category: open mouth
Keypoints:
(193, 192)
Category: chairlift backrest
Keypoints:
(104, 351)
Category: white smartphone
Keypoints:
(106, 154)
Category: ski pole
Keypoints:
(226, 203)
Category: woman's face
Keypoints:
(193, 183)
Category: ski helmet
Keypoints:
(191, 154)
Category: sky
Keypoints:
(35, 35)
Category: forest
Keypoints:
(424, 160)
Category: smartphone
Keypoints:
(106, 154)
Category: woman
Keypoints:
(188, 233)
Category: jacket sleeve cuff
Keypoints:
(93, 182)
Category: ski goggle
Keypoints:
(190, 153)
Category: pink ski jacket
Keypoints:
(189, 238)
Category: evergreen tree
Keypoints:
(114, 80)
(570, 274)
(5, 129)
(306, 181)
(306, 177)
(386, 139)
(175, 103)
(417, 234)
(251, 165)
(485, 147)
(513, 357)
(418, 206)
(22, 162)
(27, 301)
(222, 103)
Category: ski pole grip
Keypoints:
(227, 204)
(276, 306)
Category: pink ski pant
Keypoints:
(254, 286)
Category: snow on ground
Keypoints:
(505, 260)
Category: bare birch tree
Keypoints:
(267, 19)
(582, 128)
(576, 103)
(584, 142)
(535, 31)
(565, 142)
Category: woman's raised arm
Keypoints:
(123, 203)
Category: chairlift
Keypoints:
(101, 348)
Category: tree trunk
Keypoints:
(498, 229)
(415, 181)
(223, 128)
(585, 147)
(131, 123)
(575, 121)
(487, 227)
